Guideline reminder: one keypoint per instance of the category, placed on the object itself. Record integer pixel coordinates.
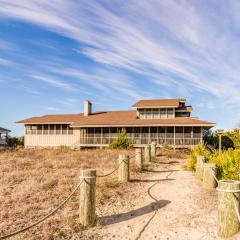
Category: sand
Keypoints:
(171, 204)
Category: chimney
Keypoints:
(87, 108)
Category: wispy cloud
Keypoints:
(54, 82)
(178, 40)
(51, 109)
(108, 81)
(5, 61)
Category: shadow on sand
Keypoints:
(159, 171)
(117, 218)
(152, 180)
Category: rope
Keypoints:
(108, 174)
(228, 191)
(43, 218)
(236, 206)
(212, 172)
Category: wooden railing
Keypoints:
(169, 141)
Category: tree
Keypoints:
(122, 141)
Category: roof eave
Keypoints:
(146, 125)
(25, 123)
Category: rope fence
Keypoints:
(43, 218)
(86, 195)
(228, 197)
(108, 174)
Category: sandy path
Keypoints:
(173, 205)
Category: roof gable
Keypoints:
(159, 103)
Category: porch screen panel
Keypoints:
(137, 137)
(105, 136)
(179, 136)
(196, 132)
(52, 129)
(153, 134)
(188, 135)
(97, 136)
(90, 135)
(145, 135)
(39, 129)
(45, 129)
(170, 136)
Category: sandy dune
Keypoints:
(171, 205)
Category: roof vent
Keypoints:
(87, 108)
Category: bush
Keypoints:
(228, 163)
(122, 142)
(230, 139)
(234, 136)
(15, 142)
(192, 158)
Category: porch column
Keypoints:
(149, 131)
(140, 135)
(165, 140)
(192, 136)
(101, 135)
(174, 135)
(183, 141)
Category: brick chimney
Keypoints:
(87, 108)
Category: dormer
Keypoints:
(162, 108)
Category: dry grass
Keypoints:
(173, 154)
(34, 181)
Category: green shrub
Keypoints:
(234, 136)
(230, 139)
(228, 163)
(192, 158)
(15, 142)
(122, 142)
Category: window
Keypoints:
(58, 129)
(64, 129)
(27, 129)
(70, 130)
(45, 129)
(155, 113)
(163, 113)
(141, 113)
(52, 129)
(169, 112)
(39, 129)
(148, 113)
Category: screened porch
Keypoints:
(178, 136)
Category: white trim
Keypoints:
(170, 106)
(147, 125)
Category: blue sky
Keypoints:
(54, 54)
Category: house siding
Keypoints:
(53, 140)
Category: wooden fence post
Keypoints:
(138, 158)
(87, 207)
(209, 171)
(147, 154)
(228, 222)
(123, 170)
(153, 149)
(199, 167)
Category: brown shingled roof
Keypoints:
(114, 118)
(159, 102)
(58, 118)
(128, 118)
